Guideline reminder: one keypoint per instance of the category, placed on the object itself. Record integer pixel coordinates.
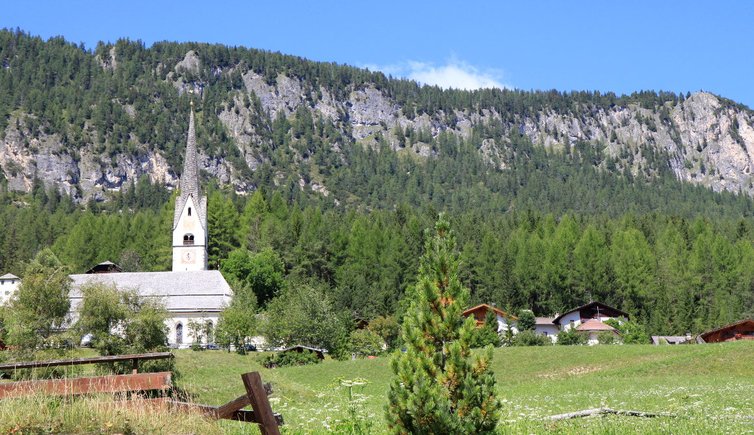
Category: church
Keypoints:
(190, 292)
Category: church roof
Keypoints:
(8, 276)
(181, 291)
(189, 184)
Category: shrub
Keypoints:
(571, 337)
(290, 358)
(607, 337)
(631, 332)
(364, 342)
(530, 338)
(387, 328)
(526, 320)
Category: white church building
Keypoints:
(190, 292)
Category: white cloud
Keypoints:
(454, 74)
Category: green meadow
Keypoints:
(705, 388)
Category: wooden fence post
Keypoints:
(260, 404)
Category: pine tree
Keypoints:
(436, 388)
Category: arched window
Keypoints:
(189, 211)
(179, 333)
(188, 239)
(210, 330)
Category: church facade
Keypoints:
(191, 293)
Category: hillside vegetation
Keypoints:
(557, 198)
(89, 121)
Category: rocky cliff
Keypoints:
(702, 138)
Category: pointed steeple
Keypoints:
(190, 175)
(189, 184)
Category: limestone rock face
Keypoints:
(703, 139)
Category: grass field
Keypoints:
(708, 388)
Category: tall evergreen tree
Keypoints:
(437, 389)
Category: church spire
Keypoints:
(190, 235)
(190, 175)
(189, 184)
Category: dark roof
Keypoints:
(670, 339)
(105, 267)
(300, 348)
(489, 307)
(709, 334)
(590, 305)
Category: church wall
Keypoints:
(184, 319)
(189, 257)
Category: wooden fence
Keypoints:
(256, 391)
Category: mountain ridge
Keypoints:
(700, 138)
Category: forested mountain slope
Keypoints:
(641, 201)
(88, 122)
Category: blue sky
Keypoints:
(619, 46)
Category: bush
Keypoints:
(387, 328)
(571, 337)
(530, 338)
(364, 342)
(290, 358)
(526, 320)
(607, 337)
(631, 332)
(305, 315)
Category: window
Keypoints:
(189, 211)
(178, 333)
(188, 239)
(210, 331)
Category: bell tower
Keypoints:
(190, 218)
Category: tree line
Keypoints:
(671, 273)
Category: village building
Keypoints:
(593, 310)
(743, 330)
(671, 339)
(504, 320)
(594, 328)
(191, 293)
(588, 319)
(9, 283)
(545, 326)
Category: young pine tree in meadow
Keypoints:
(438, 387)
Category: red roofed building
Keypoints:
(743, 330)
(593, 328)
